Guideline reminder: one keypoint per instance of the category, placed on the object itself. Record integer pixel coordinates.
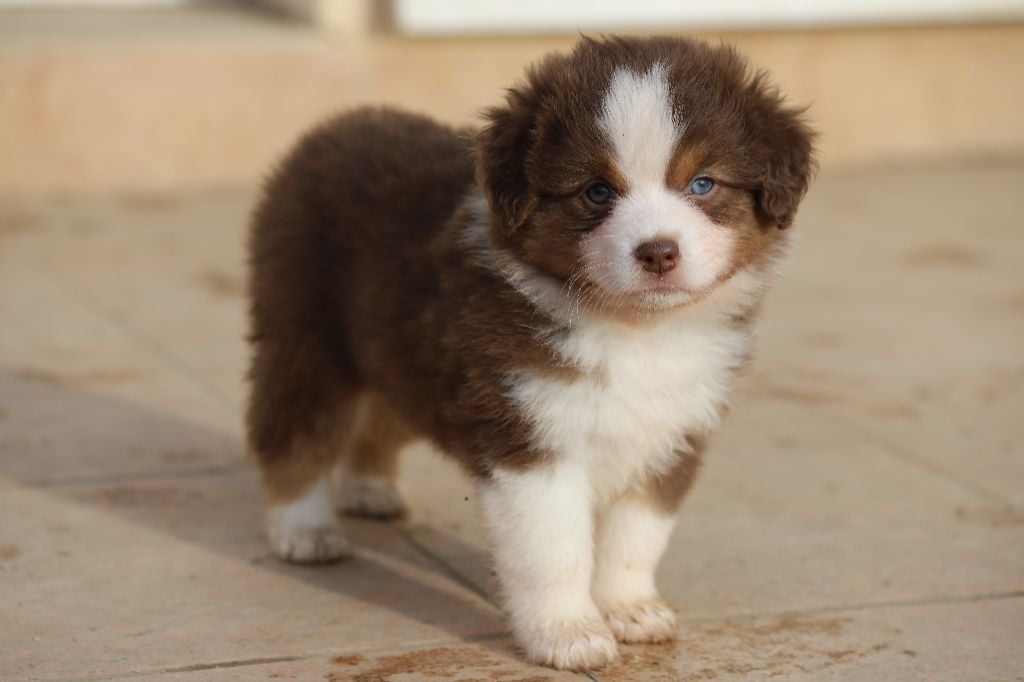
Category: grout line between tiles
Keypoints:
(447, 568)
(139, 477)
(240, 663)
(869, 606)
(910, 457)
(594, 677)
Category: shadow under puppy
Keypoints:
(561, 301)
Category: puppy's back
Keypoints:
(346, 216)
(387, 167)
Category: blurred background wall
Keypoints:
(166, 95)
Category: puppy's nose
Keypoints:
(658, 256)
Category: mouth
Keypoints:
(658, 296)
(661, 294)
(653, 294)
(663, 287)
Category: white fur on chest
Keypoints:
(642, 390)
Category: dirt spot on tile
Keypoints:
(801, 394)
(655, 662)
(447, 663)
(786, 440)
(149, 201)
(13, 223)
(1005, 383)
(994, 517)
(923, 393)
(111, 376)
(894, 411)
(42, 376)
(9, 551)
(822, 340)
(774, 647)
(942, 255)
(1013, 303)
(222, 283)
(146, 496)
(824, 374)
(95, 376)
(183, 456)
(751, 630)
(348, 660)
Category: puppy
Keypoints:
(561, 301)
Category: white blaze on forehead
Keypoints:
(637, 118)
(643, 131)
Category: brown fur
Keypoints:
(378, 436)
(666, 491)
(362, 278)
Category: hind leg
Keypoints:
(370, 466)
(302, 525)
(301, 412)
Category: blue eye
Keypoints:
(599, 193)
(702, 185)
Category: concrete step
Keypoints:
(194, 97)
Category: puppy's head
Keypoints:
(644, 172)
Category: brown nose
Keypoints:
(658, 256)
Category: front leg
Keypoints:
(633, 533)
(632, 537)
(541, 527)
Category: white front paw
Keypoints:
(580, 644)
(646, 621)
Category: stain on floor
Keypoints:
(942, 255)
(222, 284)
(735, 649)
(146, 496)
(462, 664)
(70, 378)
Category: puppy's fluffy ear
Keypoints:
(502, 148)
(788, 147)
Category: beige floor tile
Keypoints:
(149, 576)
(486, 661)
(166, 270)
(80, 398)
(790, 514)
(973, 640)
(902, 319)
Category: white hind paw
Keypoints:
(372, 496)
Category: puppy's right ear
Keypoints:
(502, 148)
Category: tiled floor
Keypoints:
(861, 516)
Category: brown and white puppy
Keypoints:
(561, 301)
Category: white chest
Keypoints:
(641, 391)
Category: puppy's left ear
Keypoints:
(789, 163)
(502, 148)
